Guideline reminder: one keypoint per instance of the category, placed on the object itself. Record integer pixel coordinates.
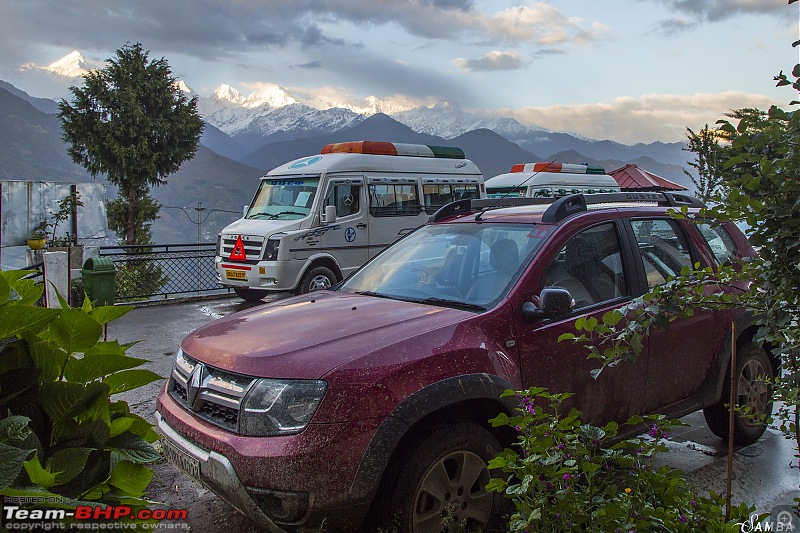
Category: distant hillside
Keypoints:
(378, 127)
(45, 105)
(492, 153)
(216, 181)
(31, 149)
(30, 144)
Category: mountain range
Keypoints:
(246, 135)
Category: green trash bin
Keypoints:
(98, 275)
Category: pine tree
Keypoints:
(131, 122)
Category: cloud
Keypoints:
(717, 10)
(310, 65)
(211, 29)
(494, 60)
(541, 24)
(646, 118)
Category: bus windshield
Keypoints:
(287, 197)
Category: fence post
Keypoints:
(56, 271)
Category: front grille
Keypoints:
(252, 248)
(220, 415)
(218, 395)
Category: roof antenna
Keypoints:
(482, 211)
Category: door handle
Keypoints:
(361, 225)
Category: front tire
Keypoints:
(317, 279)
(753, 373)
(444, 481)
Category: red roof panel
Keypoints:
(631, 177)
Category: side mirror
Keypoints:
(244, 211)
(554, 302)
(329, 215)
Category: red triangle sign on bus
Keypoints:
(237, 254)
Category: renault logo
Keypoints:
(193, 386)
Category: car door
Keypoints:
(595, 265)
(347, 239)
(679, 357)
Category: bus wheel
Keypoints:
(317, 279)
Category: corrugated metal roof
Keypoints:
(632, 178)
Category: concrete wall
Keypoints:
(23, 204)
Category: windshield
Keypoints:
(471, 266)
(287, 197)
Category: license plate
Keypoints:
(181, 460)
(236, 274)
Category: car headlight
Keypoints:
(280, 406)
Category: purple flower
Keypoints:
(693, 503)
(561, 446)
(682, 519)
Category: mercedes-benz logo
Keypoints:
(306, 162)
(193, 386)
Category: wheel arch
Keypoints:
(747, 330)
(323, 260)
(472, 397)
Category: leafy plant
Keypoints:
(66, 207)
(40, 230)
(563, 479)
(61, 434)
(761, 177)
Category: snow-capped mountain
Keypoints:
(72, 65)
(448, 121)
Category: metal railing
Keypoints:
(147, 272)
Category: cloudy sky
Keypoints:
(628, 70)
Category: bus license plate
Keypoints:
(236, 274)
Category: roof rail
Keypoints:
(574, 203)
(472, 205)
(561, 208)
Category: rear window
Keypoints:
(719, 241)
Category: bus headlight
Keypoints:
(273, 246)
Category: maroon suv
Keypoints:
(370, 402)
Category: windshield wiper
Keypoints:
(456, 304)
(285, 213)
(375, 294)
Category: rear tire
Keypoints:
(317, 279)
(445, 477)
(250, 295)
(753, 372)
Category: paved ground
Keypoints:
(765, 473)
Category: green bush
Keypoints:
(61, 435)
(562, 478)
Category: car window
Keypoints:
(719, 241)
(663, 248)
(345, 198)
(589, 266)
(393, 200)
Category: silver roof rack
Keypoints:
(561, 208)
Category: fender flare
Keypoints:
(711, 391)
(312, 262)
(412, 409)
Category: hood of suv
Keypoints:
(310, 335)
